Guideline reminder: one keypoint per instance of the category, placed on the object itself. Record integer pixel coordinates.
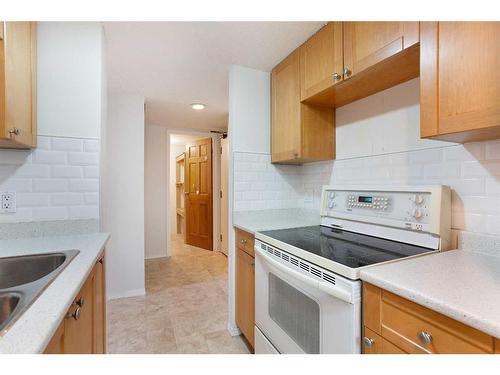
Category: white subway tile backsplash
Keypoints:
(90, 185)
(50, 213)
(91, 145)
(50, 185)
(67, 171)
(49, 157)
(67, 199)
(56, 181)
(67, 144)
(471, 170)
(83, 158)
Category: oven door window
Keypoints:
(296, 313)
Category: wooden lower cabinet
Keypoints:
(83, 330)
(392, 325)
(245, 286)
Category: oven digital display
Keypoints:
(362, 199)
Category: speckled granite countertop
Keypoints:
(33, 330)
(463, 285)
(257, 221)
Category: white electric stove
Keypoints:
(308, 293)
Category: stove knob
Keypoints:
(330, 204)
(417, 214)
(417, 199)
(332, 195)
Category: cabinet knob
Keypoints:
(75, 315)
(336, 76)
(368, 341)
(347, 72)
(15, 131)
(243, 241)
(81, 302)
(425, 337)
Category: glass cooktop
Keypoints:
(348, 248)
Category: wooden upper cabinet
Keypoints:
(299, 132)
(321, 60)
(18, 85)
(368, 43)
(285, 87)
(460, 80)
(369, 56)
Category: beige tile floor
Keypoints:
(184, 309)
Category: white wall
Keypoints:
(386, 122)
(69, 76)
(123, 195)
(156, 191)
(249, 109)
(59, 180)
(248, 133)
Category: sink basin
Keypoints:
(24, 278)
(26, 269)
(8, 303)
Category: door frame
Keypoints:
(216, 230)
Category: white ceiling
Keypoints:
(184, 139)
(174, 64)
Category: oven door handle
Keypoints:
(319, 284)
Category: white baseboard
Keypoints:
(233, 330)
(127, 293)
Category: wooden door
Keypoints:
(198, 184)
(19, 102)
(285, 102)
(79, 328)
(321, 60)
(224, 191)
(460, 80)
(367, 43)
(56, 344)
(100, 307)
(245, 294)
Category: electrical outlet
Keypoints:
(8, 202)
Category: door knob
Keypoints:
(368, 341)
(75, 315)
(15, 131)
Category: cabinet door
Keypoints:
(19, 47)
(100, 308)
(321, 60)
(79, 324)
(245, 294)
(460, 75)
(56, 344)
(367, 43)
(375, 344)
(285, 100)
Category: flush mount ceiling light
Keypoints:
(198, 106)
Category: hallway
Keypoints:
(184, 309)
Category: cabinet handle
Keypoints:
(347, 72)
(75, 315)
(81, 302)
(15, 131)
(243, 241)
(425, 337)
(337, 76)
(368, 342)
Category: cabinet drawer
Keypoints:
(245, 241)
(417, 329)
(375, 344)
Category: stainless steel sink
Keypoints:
(26, 269)
(23, 279)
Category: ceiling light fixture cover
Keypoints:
(198, 106)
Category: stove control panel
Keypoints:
(415, 208)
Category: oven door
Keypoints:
(298, 313)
